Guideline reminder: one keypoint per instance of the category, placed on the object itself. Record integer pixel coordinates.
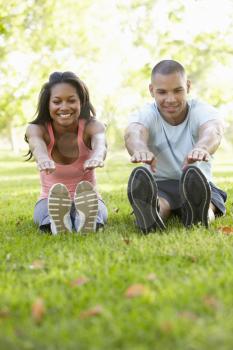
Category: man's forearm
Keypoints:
(138, 146)
(134, 143)
(209, 140)
(208, 144)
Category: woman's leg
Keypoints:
(41, 215)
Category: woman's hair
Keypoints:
(42, 112)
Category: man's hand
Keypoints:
(144, 157)
(46, 165)
(93, 163)
(197, 154)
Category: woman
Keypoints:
(67, 143)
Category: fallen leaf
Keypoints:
(79, 281)
(192, 258)
(95, 311)
(211, 302)
(227, 230)
(37, 265)
(136, 290)
(126, 241)
(4, 312)
(38, 310)
(151, 277)
(166, 327)
(18, 222)
(116, 210)
(188, 315)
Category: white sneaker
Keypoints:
(86, 204)
(59, 205)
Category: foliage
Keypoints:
(172, 38)
(112, 46)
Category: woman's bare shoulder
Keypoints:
(94, 126)
(36, 130)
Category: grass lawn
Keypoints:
(115, 289)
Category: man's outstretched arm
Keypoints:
(136, 142)
(210, 135)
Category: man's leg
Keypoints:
(164, 208)
(143, 197)
(218, 199)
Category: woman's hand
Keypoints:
(46, 164)
(93, 162)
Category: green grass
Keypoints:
(187, 274)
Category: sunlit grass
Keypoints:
(186, 275)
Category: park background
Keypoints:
(117, 289)
(112, 46)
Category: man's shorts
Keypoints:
(169, 189)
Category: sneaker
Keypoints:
(86, 204)
(59, 205)
(143, 197)
(195, 195)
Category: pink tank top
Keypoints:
(68, 174)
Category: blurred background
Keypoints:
(112, 45)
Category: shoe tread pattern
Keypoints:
(86, 201)
(196, 194)
(142, 195)
(59, 205)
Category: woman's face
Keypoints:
(64, 105)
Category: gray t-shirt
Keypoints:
(172, 143)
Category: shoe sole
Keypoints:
(195, 208)
(86, 202)
(59, 205)
(145, 209)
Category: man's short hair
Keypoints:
(166, 67)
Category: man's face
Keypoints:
(170, 93)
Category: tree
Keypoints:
(112, 46)
(161, 32)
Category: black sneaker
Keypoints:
(143, 197)
(195, 195)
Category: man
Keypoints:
(175, 139)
